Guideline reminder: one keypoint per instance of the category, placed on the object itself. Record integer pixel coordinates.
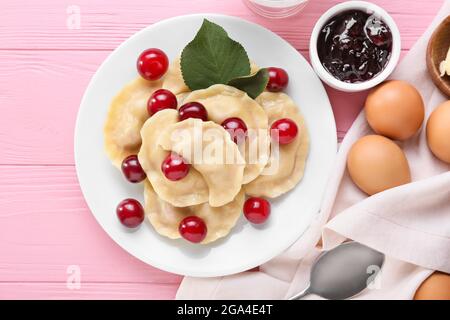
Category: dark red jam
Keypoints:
(354, 46)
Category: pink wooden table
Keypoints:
(47, 233)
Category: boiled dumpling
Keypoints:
(166, 218)
(190, 190)
(173, 80)
(210, 151)
(127, 113)
(278, 179)
(214, 178)
(222, 102)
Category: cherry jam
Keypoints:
(354, 46)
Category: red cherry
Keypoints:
(174, 167)
(256, 210)
(130, 213)
(152, 64)
(287, 130)
(193, 229)
(236, 127)
(161, 99)
(193, 110)
(278, 79)
(132, 169)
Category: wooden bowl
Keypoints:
(437, 52)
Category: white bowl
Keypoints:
(370, 8)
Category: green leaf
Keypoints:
(253, 84)
(213, 58)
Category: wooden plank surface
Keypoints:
(107, 23)
(46, 226)
(44, 70)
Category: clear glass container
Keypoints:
(276, 9)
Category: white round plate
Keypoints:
(246, 246)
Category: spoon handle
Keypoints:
(301, 294)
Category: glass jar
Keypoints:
(276, 9)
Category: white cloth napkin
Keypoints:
(410, 224)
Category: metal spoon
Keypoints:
(343, 272)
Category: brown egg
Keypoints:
(438, 132)
(375, 164)
(435, 287)
(395, 109)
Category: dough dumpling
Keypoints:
(190, 190)
(276, 180)
(173, 80)
(166, 218)
(210, 150)
(222, 102)
(127, 113)
(180, 98)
